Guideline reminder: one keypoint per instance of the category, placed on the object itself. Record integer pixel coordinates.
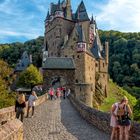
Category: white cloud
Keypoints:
(13, 33)
(123, 15)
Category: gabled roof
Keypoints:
(81, 13)
(59, 63)
(80, 33)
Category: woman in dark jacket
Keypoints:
(19, 106)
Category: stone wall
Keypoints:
(101, 119)
(11, 128)
(8, 113)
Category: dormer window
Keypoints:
(81, 47)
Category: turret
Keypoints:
(92, 30)
(106, 52)
(81, 43)
(59, 11)
(47, 18)
(68, 10)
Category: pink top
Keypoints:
(51, 92)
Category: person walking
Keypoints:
(124, 113)
(113, 120)
(68, 92)
(51, 93)
(31, 103)
(20, 106)
(64, 93)
(58, 93)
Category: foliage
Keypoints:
(115, 94)
(137, 111)
(6, 98)
(11, 53)
(31, 76)
(124, 58)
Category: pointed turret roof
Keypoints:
(81, 12)
(80, 33)
(92, 20)
(95, 49)
(48, 15)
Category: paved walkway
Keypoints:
(58, 120)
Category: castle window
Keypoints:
(96, 65)
(91, 89)
(65, 55)
(73, 56)
(78, 56)
(80, 88)
(103, 64)
(76, 81)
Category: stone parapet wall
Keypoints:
(8, 113)
(12, 130)
(101, 119)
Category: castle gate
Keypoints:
(59, 72)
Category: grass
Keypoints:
(115, 93)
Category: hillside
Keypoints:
(115, 94)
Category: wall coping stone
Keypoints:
(12, 130)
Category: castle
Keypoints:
(73, 54)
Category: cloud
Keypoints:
(123, 15)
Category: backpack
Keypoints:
(122, 116)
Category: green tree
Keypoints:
(31, 76)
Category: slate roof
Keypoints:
(59, 63)
(95, 49)
(23, 63)
(81, 13)
(80, 33)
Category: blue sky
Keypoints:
(22, 20)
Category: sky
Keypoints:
(22, 20)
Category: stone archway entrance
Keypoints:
(58, 78)
(58, 81)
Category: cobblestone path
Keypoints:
(58, 120)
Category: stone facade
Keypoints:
(101, 119)
(74, 35)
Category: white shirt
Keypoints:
(31, 100)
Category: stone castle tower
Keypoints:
(72, 50)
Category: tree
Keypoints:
(6, 98)
(31, 76)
